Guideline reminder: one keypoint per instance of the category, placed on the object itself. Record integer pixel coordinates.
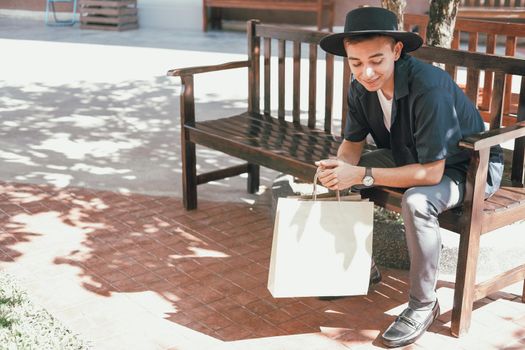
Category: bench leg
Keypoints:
(216, 18)
(523, 293)
(253, 178)
(189, 175)
(204, 18)
(465, 283)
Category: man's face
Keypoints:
(372, 62)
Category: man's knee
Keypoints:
(416, 202)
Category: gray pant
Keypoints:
(420, 208)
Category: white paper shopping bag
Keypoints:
(321, 248)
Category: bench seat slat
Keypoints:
(513, 193)
(317, 143)
(495, 211)
(518, 192)
(501, 202)
(281, 138)
(261, 144)
(243, 121)
(276, 160)
(299, 128)
(272, 136)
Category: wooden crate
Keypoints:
(108, 14)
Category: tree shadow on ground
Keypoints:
(210, 264)
(116, 136)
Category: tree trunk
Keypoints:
(442, 19)
(398, 7)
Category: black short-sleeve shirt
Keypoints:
(430, 115)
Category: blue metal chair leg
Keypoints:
(50, 5)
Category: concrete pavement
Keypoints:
(95, 109)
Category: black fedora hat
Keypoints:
(370, 20)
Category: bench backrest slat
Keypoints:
(254, 47)
(473, 41)
(281, 72)
(510, 50)
(329, 92)
(296, 106)
(496, 110)
(451, 70)
(455, 40)
(471, 88)
(344, 95)
(487, 83)
(267, 74)
(312, 86)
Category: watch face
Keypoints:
(368, 180)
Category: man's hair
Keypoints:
(364, 37)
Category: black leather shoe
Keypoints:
(405, 330)
(375, 278)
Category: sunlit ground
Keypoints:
(105, 117)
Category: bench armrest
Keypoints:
(493, 137)
(179, 72)
(187, 102)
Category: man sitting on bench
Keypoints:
(416, 115)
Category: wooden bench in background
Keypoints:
(498, 10)
(291, 143)
(319, 7)
(482, 36)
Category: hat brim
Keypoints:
(334, 43)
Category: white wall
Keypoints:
(173, 14)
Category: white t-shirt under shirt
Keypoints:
(386, 106)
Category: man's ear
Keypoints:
(398, 48)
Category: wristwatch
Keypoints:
(368, 179)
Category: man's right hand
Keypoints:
(338, 175)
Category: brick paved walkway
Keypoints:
(137, 269)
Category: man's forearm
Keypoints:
(350, 152)
(338, 174)
(409, 175)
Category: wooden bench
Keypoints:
(474, 31)
(291, 143)
(319, 7)
(497, 10)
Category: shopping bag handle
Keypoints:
(314, 192)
